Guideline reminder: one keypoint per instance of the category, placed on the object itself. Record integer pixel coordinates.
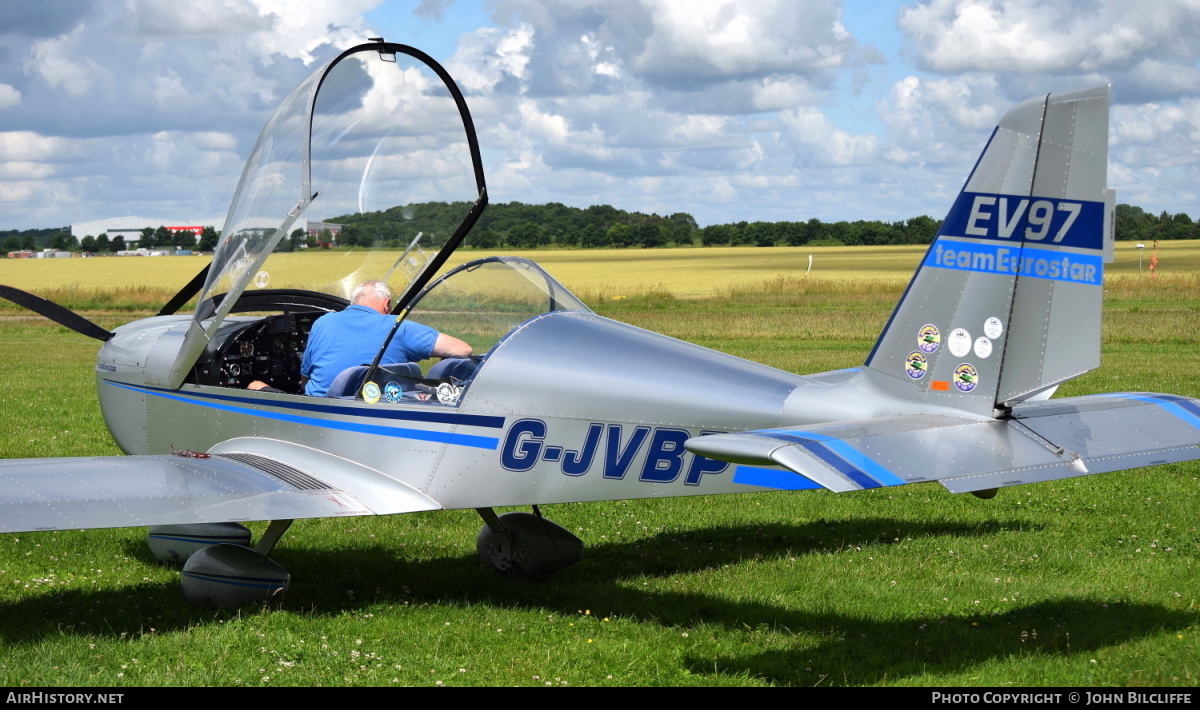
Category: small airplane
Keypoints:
(561, 405)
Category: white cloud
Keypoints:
(214, 141)
(27, 146)
(9, 96)
(201, 18)
(722, 38)
(965, 35)
(55, 62)
(177, 91)
(940, 121)
(548, 127)
(432, 8)
(820, 143)
(776, 92)
(297, 29)
(669, 92)
(169, 89)
(489, 58)
(1162, 78)
(991, 54)
(25, 170)
(1156, 136)
(1112, 38)
(959, 100)
(580, 45)
(697, 131)
(759, 182)
(1146, 123)
(729, 110)
(17, 192)
(574, 100)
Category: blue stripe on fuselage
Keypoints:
(844, 458)
(772, 478)
(480, 420)
(479, 442)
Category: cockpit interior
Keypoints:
(267, 349)
(481, 302)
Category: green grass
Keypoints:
(1087, 582)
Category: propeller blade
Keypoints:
(54, 312)
(191, 289)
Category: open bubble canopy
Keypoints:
(381, 128)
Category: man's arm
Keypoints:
(450, 346)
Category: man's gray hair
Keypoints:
(367, 289)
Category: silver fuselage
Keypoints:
(568, 407)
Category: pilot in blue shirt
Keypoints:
(353, 337)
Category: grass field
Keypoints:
(1087, 582)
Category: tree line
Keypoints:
(521, 226)
(26, 239)
(1136, 224)
(163, 238)
(63, 240)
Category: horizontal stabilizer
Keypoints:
(123, 491)
(1042, 441)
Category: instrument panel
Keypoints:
(269, 350)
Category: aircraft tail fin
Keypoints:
(1006, 303)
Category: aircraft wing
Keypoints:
(1042, 441)
(240, 480)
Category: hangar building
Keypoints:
(131, 227)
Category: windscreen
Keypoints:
(481, 301)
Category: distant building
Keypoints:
(148, 252)
(131, 227)
(315, 228)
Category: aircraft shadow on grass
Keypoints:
(849, 649)
(860, 651)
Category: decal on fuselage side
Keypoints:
(612, 450)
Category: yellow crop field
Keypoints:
(108, 273)
(681, 272)
(592, 274)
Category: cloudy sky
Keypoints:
(747, 110)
